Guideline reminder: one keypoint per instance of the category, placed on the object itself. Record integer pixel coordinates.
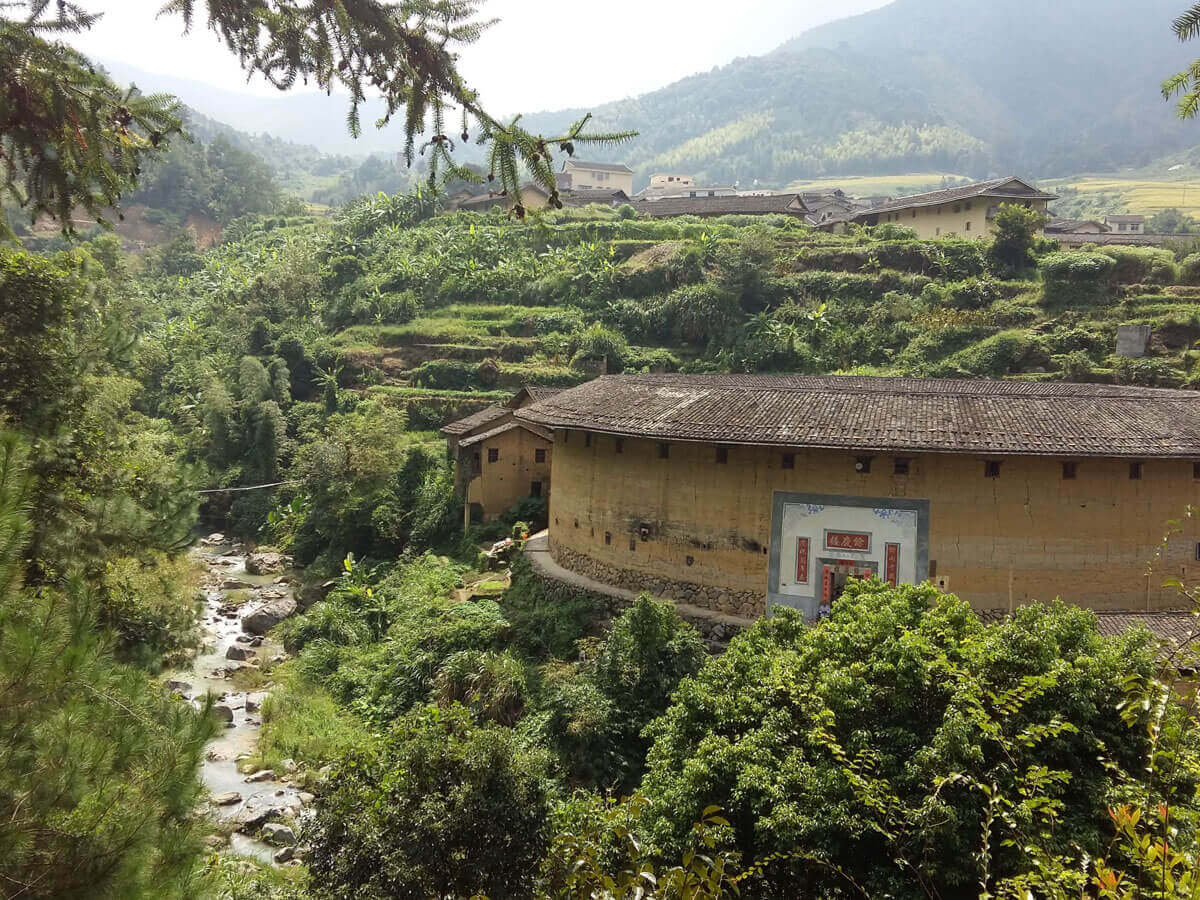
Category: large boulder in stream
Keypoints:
(268, 614)
(268, 562)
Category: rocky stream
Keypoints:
(245, 596)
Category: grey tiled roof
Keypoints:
(1172, 628)
(885, 414)
(719, 206)
(996, 187)
(599, 167)
(475, 420)
(1127, 219)
(507, 426)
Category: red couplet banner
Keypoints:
(891, 563)
(802, 560)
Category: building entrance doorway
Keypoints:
(835, 573)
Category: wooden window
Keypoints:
(608, 537)
(539, 455)
(722, 455)
(620, 445)
(789, 460)
(664, 450)
(968, 225)
(587, 439)
(535, 489)
(633, 543)
(914, 214)
(1196, 470)
(493, 454)
(967, 206)
(900, 465)
(991, 468)
(1135, 471)
(862, 465)
(566, 435)
(1069, 470)
(957, 207)
(476, 463)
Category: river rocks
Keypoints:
(224, 713)
(227, 799)
(215, 841)
(266, 563)
(236, 584)
(266, 616)
(236, 652)
(314, 592)
(254, 702)
(278, 835)
(283, 854)
(307, 799)
(179, 687)
(288, 765)
(215, 538)
(260, 775)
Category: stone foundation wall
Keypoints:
(716, 634)
(746, 604)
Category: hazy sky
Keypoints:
(600, 50)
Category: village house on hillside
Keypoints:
(739, 493)
(965, 211)
(578, 175)
(498, 460)
(1126, 224)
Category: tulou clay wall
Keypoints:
(688, 520)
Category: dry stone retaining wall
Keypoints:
(744, 604)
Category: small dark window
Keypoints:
(608, 537)
(587, 439)
(691, 560)
(633, 543)
(1069, 469)
(664, 451)
(620, 445)
(862, 465)
(566, 436)
(535, 489)
(789, 460)
(722, 454)
(991, 468)
(1198, 552)
(476, 463)
(1196, 470)
(493, 454)
(900, 466)
(1135, 471)
(539, 455)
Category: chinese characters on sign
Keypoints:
(802, 560)
(891, 563)
(847, 540)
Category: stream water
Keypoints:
(263, 796)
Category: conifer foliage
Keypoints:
(97, 765)
(70, 138)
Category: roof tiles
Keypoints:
(882, 414)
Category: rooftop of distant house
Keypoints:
(1126, 219)
(597, 166)
(788, 204)
(1000, 188)
(885, 414)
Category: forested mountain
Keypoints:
(975, 86)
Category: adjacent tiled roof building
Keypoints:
(1001, 189)
(784, 204)
(885, 414)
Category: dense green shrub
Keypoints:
(1189, 269)
(546, 621)
(441, 808)
(912, 688)
(1001, 354)
(1142, 265)
(1149, 372)
(1076, 278)
(701, 313)
(973, 293)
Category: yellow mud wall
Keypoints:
(1028, 534)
